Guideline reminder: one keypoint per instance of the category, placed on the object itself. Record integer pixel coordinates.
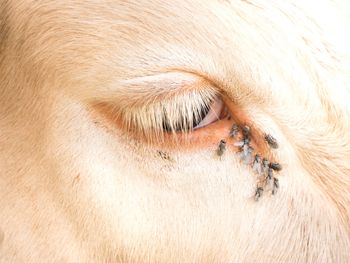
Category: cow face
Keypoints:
(181, 131)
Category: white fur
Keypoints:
(77, 187)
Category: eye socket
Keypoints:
(188, 104)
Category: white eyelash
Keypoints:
(179, 112)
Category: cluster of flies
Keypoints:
(261, 166)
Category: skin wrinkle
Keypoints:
(78, 188)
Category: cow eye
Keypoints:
(206, 113)
(210, 114)
(144, 108)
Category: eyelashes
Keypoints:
(185, 123)
(174, 115)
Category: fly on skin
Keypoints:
(221, 148)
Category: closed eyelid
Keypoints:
(150, 88)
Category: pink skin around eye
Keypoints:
(220, 127)
(204, 135)
(213, 114)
